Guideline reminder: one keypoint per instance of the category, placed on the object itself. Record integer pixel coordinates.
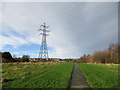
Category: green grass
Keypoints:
(37, 75)
(100, 76)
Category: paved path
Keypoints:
(78, 80)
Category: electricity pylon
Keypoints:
(43, 48)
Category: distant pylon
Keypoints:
(43, 48)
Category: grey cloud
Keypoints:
(76, 28)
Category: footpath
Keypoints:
(78, 80)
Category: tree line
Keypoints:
(110, 55)
(6, 57)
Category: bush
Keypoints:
(7, 57)
(25, 58)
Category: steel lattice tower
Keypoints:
(43, 48)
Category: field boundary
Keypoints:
(71, 76)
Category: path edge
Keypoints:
(85, 77)
(71, 76)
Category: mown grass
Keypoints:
(36, 75)
(101, 76)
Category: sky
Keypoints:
(76, 28)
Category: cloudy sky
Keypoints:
(77, 28)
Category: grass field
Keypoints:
(36, 75)
(100, 76)
(56, 75)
